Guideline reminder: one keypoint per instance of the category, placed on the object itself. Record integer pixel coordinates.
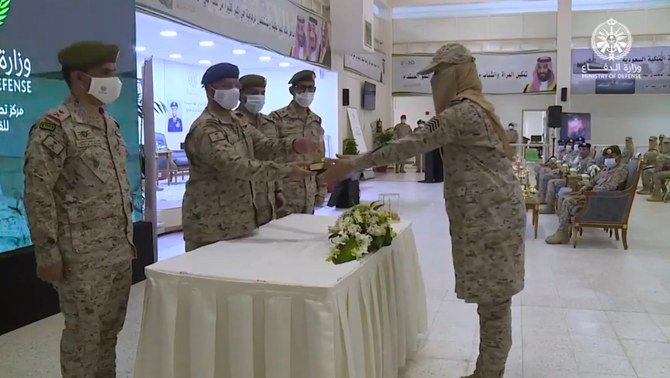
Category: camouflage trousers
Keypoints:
(659, 181)
(647, 179)
(190, 245)
(553, 186)
(264, 215)
(93, 302)
(495, 338)
(544, 178)
(568, 207)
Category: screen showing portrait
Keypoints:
(575, 125)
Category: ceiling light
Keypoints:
(204, 61)
(175, 56)
(239, 52)
(206, 43)
(284, 64)
(169, 33)
(264, 58)
(140, 48)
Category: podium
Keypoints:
(432, 163)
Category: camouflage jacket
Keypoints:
(77, 192)
(292, 122)
(610, 179)
(222, 150)
(264, 192)
(484, 201)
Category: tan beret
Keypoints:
(451, 53)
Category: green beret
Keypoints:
(629, 138)
(305, 75)
(87, 54)
(653, 138)
(612, 151)
(251, 81)
(662, 136)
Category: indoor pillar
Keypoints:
(563, 51)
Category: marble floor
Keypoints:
(593, 311)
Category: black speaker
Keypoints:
(345, 97)
(554, 116)
(564, 94)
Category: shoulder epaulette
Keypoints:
(53, 118)
(283, 112)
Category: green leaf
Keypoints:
(4, 10)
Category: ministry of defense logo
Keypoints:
(4, 10)
(611, 40)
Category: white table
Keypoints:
(271, 306)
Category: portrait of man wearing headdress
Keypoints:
(543, 77)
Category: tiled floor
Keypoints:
(594, 311)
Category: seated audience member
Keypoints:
(610, 179)
(550, 164)
(553, 185)
(661, 173)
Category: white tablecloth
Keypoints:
(271, 306)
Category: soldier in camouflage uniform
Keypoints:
(484, 201)
(649, 160)
(628, 150)
(297, 120)
(78, 204)
(222, 148)
(606, 181)
(661, 173)
(268, 196)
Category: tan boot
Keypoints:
(560, 237)
(655, 197)
(644, 192)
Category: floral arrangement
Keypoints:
(361, 230)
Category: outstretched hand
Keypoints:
(337, 170)
(304, 146)
(299, 170)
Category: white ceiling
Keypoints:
(187, 41)
(465, 8)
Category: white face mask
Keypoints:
(105, 89)
(610, 162)
(227, 98)
(254, 103)
(304, 99)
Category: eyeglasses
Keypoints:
(303, 89)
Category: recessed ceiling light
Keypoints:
(205, 61)
(169, 33)
(284, 64)
(175, 56)
(206, 43)
(264, 58)
(239, 52)
(140, 48)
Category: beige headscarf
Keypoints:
(455, 79)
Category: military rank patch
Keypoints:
(433, 124)
(216, 136)
(53, 145)
(47, 126)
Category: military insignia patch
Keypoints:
(216, 136)
(47, 126)
(433, 124)
(53, 145)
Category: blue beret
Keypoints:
(174, 104)
(220, 71)
(561, 142)
(580, 140)
(585, 145)
(569, 141)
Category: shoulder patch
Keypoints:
(433, 124)
(53, 145)
(283, 112)
(47, 125)
(216, 136)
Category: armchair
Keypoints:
(609, 210)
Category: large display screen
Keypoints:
(31, 34)
(575, 125)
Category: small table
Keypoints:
(534, 205)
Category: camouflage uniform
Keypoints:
(628, 150)
(292, 121)
(487, 217)
(649, 160)
(77, 199)
(418, 159)
(512, 135)
(401, 130)
(607, 181)
(661, 172)
(265, 193)
(219, 198)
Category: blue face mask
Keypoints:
(255, 103)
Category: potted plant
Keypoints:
(381, 139)
(350, 147)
